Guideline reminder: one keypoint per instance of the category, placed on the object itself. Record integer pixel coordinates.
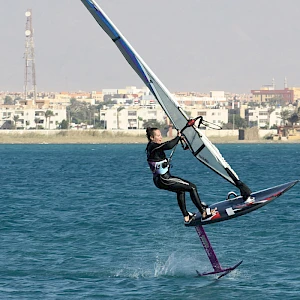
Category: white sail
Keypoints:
(198, 143)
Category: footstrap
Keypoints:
(208, 212)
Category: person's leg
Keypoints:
(181, 204)
(205, 211)
(244, 189)
(179, 185)
(195, 197)
(176, 184)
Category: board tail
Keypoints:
(212, 256)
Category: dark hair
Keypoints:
(150, 132)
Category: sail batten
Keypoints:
(197, 142)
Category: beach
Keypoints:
(69, 137)
(103, 137)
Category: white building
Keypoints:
(130, 117)
(218, 116)
(215, 100)
(266, 116)
(28, 117)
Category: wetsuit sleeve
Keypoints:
(156, 152)
(170, 144)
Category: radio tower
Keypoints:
(29, 76)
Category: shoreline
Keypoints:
(93, 137)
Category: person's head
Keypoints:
(154, 135)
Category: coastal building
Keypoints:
(278, 97)
(26, 117)
(97, 96)
(215, 99)
(131, 117)
(259, 117)
(268, 94)
(131, 110)
(296, 91)
(217, 116)
(266, 117)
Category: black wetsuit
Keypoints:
(155, 153)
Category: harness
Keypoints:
(159, 167)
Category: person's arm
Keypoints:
(166, 145)
(153, 147)
(170, 144)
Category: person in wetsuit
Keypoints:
(162, 178)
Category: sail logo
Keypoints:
(203, 159)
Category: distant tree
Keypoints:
(8, 100)
(73, 100)
(264, 104)
(91, 113)
(140, 119)
(270, 110)
(98, 124)
(118, 112)
(64, 124)
(277, 101)
(253, 104)
(285, 114)
(235, 121)
(78, 111)
(36, 121)
(106, 103)
(154, 123)
(16, 118)
(48, 115)
(294, 118)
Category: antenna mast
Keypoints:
(29, 76)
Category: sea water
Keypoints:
(86, 222)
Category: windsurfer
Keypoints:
(162, 178)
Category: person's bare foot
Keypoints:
(189, 217)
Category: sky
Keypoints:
(191, 45)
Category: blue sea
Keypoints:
(86, 222)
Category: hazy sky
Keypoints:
(191, 45)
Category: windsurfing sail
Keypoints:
(197, 142)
